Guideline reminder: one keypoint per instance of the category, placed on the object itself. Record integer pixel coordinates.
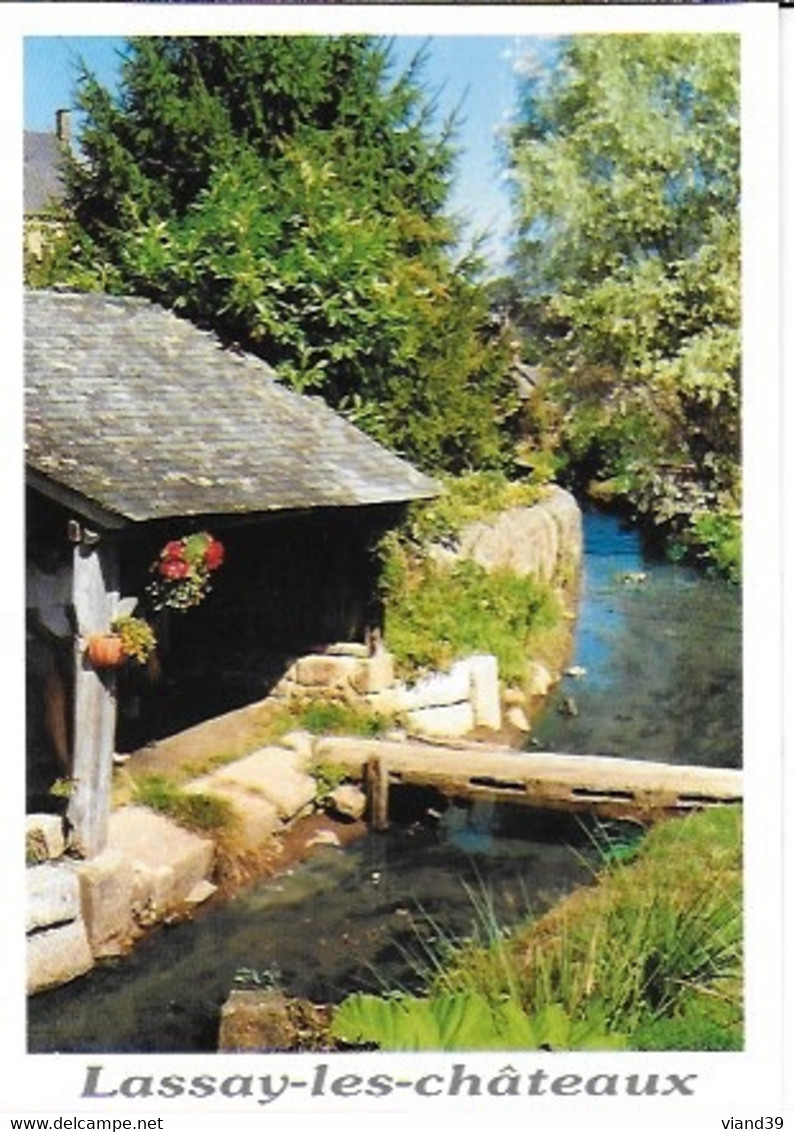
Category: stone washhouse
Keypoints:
(141, 428)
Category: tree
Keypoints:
(626, 160)
(288, 193)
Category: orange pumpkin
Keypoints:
(105, 650)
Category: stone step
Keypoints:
(274, 774)
(168, 860)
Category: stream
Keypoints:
(658, 651)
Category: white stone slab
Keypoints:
(57, 955)
(450, 721)
(273, 773)
(167, 857)
(108, 893)
(485, 700)
(53, 896)
(440, 689)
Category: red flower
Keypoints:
(174, 568)
(173, 549)
(213, 555)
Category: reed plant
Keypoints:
(654, 943)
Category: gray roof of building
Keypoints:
(42, 183)
(139, 413)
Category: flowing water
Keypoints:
(660, 645)
(662, 680)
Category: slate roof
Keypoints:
(42, 184)
(136, 411)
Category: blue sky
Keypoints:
(473, 72)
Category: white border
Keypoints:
(747, 1085)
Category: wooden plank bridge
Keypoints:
(631, 789)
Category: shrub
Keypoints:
(328, 717)
(466, 499)
(436, 615)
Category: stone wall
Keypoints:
(58, 949)
(80, 910)
(442, 704)
(544, 540)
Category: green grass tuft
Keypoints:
(436, 615)
(196, 811)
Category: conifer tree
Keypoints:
(290, 193)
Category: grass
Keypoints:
(436, 615)
(330, 717)
(654, 936)
(652, 949)
(204, 813)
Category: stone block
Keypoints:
(514, 697)
(201, 892)
(517, 718)
(302, 743)
(323, 671)
(348, 801)
(349, 648)
(261, 1020)
(168, 859)
(376, 674)
(53, 896)
(108, 895)
(440, 689)
(538, 680)
(275, 774)
(44, 836)
(57, 955)
(565, 512)
(485, 700)
(449, 721)
(257, 817)
(523, 539)
(391, 701)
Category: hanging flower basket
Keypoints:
(130, 638)
(105, 650)
(181, 574)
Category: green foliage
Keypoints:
(465, 1021)
(720, 534)
(466, 499)
(137, 637)
(204, 812)
(252, 978)
(435, 615)
(658, 939)
(61, 788)
(289, 193)
(328, 776)
(712, 1023)
(330, 717)
(627, 159)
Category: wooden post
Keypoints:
(377, 777)
(95, 594)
